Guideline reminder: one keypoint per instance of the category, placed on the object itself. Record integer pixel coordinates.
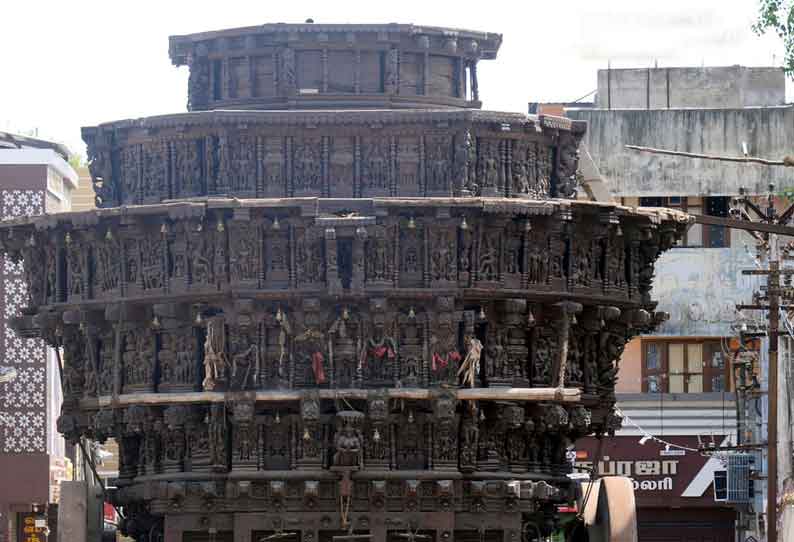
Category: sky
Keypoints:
(65, 65)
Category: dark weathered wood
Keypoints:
(294, 319)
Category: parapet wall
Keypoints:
(766, 131)
(706, 87)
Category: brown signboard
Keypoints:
(32, 528)
(663, 477)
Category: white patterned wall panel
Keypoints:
(25, 432)
(22, 203)
(23, 402)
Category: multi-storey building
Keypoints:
(35, 178)
(676, 386)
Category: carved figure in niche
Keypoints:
(243, 257)
(201, 260)
(379, 352)
(308, 173)
(90, 385)
(573, 367)
(348, 444)
(438, 168)
(217, 436)
(74, 362)
(498, 366)
(569, 158)
(244, 165)
(490, 175)
(469, 442)
(289, 82)
(220, 257)
(443, 258)
(377, 260)
(154, 171)
(489, 257)
(108, 266)
(74, 256)
(51, 273)
(105, 189)
(309, 352)
(583, 266)
(375, 172)
(245, 360)
(391, 70)
(188, 168)
(512, 254)
(215, 362)
(544, 351)
(309, 258)
(131, 256)
(445, 356)
(130, 172)
(470, 367)
(520, 173)
(152, 263)
(538, 257)
(344, 362)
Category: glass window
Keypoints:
(652, 356)
(676, 359)
(694, 358)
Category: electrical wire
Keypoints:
(649, 436)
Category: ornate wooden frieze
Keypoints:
(263, 154)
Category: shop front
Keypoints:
(673, 486)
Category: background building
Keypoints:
(676, 387)
(35, 177)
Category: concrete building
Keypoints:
(35, 177)
(676, 387)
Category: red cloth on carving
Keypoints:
(317, 367)
(441, 363)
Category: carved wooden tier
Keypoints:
(277, 66)
(260, 361)
(336, 154)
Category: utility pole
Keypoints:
(769, 241)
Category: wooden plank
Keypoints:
(562, 395)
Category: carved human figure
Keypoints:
(489, 254)
(215, 362)
(245, 361)
(348, 446)
(445, 356)
(379, 352)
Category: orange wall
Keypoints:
(630, 370)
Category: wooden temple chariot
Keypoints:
(336, 300)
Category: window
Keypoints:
(684, 366)
(697, 235)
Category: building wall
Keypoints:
(32, 181)
(630, 372)
(766, 131)
(699, 87)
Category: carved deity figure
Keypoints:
(489, 258)
(445, 356)
(289, 82)
(74, 256)
(379, 353)
(348, 446)
(215, 362)
(498, 366)
(245, 361)
(308, 175)
(443, 257)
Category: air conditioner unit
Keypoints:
(733, 485)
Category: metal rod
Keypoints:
(774, 323)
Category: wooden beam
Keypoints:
(786, 162)
(744, 225)
(559, 395)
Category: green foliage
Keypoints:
(76, 160)
(778, 16)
